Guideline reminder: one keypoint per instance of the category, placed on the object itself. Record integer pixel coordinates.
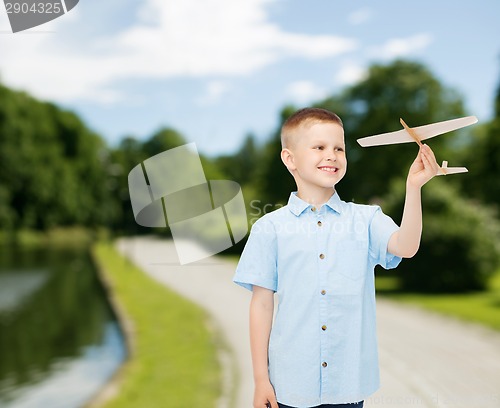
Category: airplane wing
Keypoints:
(423, 132)
(400, 136)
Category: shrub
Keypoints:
(460, 241)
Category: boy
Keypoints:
(318, 253)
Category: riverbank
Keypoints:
(75, 236)
(174, 358)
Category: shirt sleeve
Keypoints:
(257, 264)
(381, 229)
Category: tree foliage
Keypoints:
(241, 165)
(483, 158)
(274, 182)
(459, 250)
(51, 167)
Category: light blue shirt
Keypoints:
(323, 345)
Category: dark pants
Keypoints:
(353, 405)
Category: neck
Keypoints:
(316, 197)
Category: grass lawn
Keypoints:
(479, 307)
(174, 362)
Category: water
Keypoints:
(59, 341)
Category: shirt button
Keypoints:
(323, 327)
(323, 292)
(320, 223)
(321, 256)
(324, 364)
(313, 208)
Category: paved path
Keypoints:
(426, 360)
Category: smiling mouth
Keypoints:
(328, 169)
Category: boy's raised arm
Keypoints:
(261, 319)
(406, 241)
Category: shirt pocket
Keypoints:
(352, 259)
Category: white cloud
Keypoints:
(350, 73)
(303, 92)
(213, 92)
(360, 16)
(400, 47)
(169, 39)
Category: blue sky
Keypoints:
(218, 69)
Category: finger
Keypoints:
(419, 157)
(427, 161)
(427, 152)
(428, 149)
(417, 163)
(430, 163)
(262, 404)
(430, 153)
(273, 402)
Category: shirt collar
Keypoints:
(297, 206)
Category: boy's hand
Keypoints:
(423, 168)
(264, 395)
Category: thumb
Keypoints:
(274, 403)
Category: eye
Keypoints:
(339, 149)
(318, 147)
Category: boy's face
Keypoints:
(317, 158)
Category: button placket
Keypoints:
(321, 233)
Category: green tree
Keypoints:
(459, 250)
(123, 159)
(483, 160)
(162, 140)
(242, 165)
(132, 152)
(51, 166)
(273, 181)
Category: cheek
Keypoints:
(345, 165)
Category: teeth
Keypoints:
(329, 169)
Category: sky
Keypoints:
(217, 70)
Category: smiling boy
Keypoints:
(318, 253)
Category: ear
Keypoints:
(288, 159)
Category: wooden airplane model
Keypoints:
(417, 134)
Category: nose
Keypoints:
(331, 155)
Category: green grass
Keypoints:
(478, 307)
(174, 363)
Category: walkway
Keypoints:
(427, 360)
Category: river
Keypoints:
(59, 340)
